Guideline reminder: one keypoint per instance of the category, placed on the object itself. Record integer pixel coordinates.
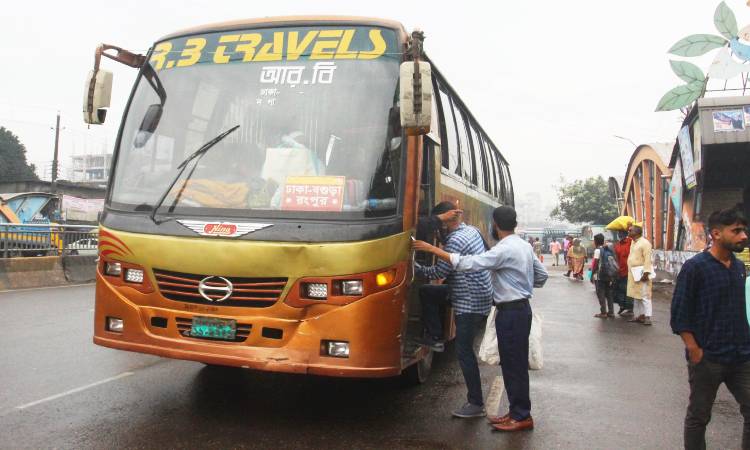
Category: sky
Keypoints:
(551, 82)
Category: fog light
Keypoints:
(336, 349)
(113, 268)
(351, 287)
(385, 278)
(316, 290)
(134, 275)
(114, 324)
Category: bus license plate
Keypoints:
(213, 328)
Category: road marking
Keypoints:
(73, 391)
(47, 287)
(495, 396)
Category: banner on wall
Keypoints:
(675, 190)
(83, 209)
(686, 155)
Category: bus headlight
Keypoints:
(113, 268)
(134, 275)
(337, 349)
(315, 290)
(115, 324)
(385, 278)
(352, 287)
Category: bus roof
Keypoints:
(287, 21)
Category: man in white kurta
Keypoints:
(640, 289)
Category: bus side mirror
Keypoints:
(96, 96)
(416, 97)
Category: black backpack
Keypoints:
(609, 269)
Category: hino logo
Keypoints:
(218, 286)
(222, 229)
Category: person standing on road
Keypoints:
(471, 299)
(622, 251)
(577, 257)
(537, 246)
(640, 288)
(708, 312)
(515, 272)
(601, 278)
(555, 248)
(566, 248)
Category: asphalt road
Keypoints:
(605, 384)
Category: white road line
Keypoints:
(47, 288)
(492, 405)
(73, 391)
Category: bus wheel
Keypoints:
(419, 372)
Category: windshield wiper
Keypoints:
(196, 154)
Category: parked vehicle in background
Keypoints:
(587, 237)
(86, 246)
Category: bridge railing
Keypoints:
(47, 240)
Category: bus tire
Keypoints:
(419, 372)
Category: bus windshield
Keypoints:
(318, 134)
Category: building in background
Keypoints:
(90, 169)
(673, 188)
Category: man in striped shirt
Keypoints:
(471, 299)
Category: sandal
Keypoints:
(601, 316)
(611, 316)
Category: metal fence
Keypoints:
(47, 240)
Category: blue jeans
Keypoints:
(466, 328)
(513, 324)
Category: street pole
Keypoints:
(54, 160)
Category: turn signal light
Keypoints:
(385, 278)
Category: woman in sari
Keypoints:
(577, 256)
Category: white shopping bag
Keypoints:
(535, 343)
(488, 350)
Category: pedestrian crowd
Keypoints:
(708, 309)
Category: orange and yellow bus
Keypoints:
(267, 177)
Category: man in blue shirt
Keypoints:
(515, 272)
(471, 299)
(708, 312)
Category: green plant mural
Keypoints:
(729, 62)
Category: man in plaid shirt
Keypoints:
(708, 312)
(471, 298)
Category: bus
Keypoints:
(267, 178)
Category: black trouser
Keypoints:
(605, 294)
(621, 293)
(433, 297)
(513, 325)
(705, 378)
(466, 327)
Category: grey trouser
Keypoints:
(705, 378)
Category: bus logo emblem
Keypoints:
(222, 229)
(206, 289)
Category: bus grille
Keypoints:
(249, 292)
(184, 325)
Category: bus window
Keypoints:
(479, 159)
(466, 160)
(450, 140)
(492, 172)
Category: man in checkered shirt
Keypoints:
(471, 298)
(709, 314)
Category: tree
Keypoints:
(585, 201)
(13, 164)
